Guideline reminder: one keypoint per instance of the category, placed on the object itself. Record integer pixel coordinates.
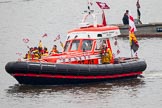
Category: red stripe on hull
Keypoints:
(77, 77)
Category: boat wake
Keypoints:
(153, 74)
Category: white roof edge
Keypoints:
(94, 35)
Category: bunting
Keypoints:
(19, 53)
(25, 40)
(45, 35)
(116, 44)
(57, 38)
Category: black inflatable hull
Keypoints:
(55, 74)
(64, 81)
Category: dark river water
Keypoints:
(32, 18)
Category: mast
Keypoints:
(90, 12)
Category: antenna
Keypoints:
(89, 12)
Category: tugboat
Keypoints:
(87, 57)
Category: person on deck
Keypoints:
(126, 18)
(36, 53)
(28, 55)
(106, 56)
(40, 48)
(41, 51)
(45, 52)
(54, 50)
(40, 44)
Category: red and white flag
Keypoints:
(103, 5)
(45, 35)
(18, 53)
(25, 40)
(133, 40)
(57, 38)
(131, 24)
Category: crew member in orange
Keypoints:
(54, 50)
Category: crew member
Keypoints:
(40, 44)
(54, 50)
(36, 53)
(45, 52)
(28, 55)
(106, 55)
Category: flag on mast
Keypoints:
(103, 5)
(133, 40)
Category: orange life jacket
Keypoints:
(54, 51)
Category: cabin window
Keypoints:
(100, 43)
(75, 45)
(99, 35)
(87, 45)
(66, 46)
